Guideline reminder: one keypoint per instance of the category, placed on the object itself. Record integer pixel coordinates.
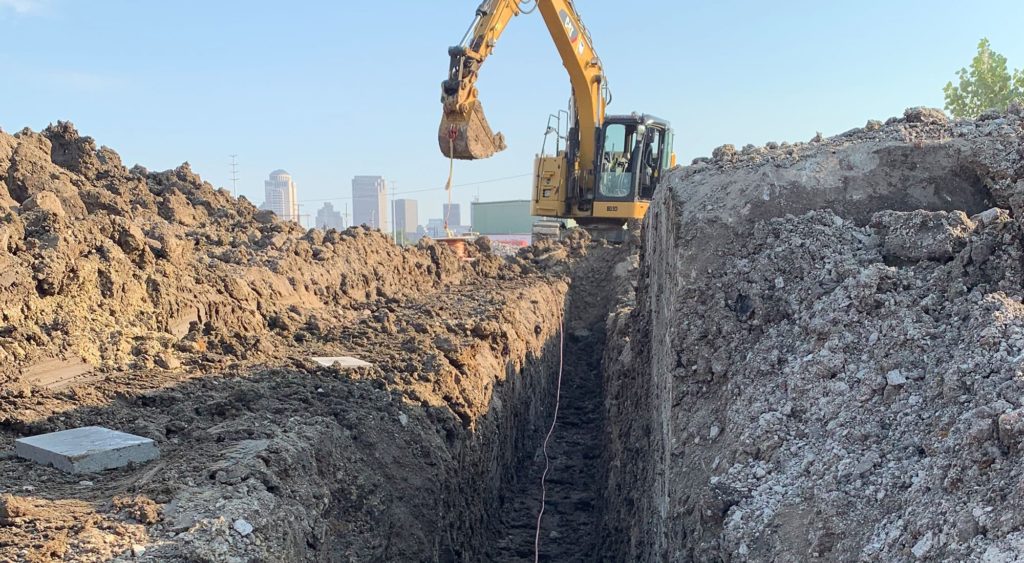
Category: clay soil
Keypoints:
(154, 304)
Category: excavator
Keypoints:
(606, 172)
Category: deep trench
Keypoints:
(488, 486)
(570, 527)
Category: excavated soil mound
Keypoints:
(154, 304)
(106, 267)
(827, 354)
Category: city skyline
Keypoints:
(281, 193)
(451, 213)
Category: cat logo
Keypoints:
(573, 31)
(570, 28)
(613, 208)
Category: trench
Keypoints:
(569, 528)
(507, 471)
(351, 484)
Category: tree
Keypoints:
(987, 85)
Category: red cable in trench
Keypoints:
(551, 431)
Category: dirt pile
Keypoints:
(827, 351)
(106, 267)
(154, 304)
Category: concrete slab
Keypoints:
(344, 362)
(58, 373)
(87, 450)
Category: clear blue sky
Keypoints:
(328, 90)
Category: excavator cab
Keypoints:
(635, 151)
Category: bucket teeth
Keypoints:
(473, 140)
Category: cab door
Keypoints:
(655, 158)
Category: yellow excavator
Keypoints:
(609, 166)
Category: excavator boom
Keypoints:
(464, 133)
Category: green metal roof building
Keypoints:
(502, 217)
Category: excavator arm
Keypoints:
(464, 133)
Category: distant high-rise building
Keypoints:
(435, 228)
(328, 218)
(453, 215)
(280, 196)
(370, 202)
(407, 218)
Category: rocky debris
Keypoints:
(847, 317)
(929, 116)
(922, 235)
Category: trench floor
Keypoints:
(570, 522)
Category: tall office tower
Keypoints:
(280, 196)
(453, 214)
(407, 219)
(328, 218)
(370, 202)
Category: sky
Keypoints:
(328, 90)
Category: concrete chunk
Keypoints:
(346, 362)
(87, 450)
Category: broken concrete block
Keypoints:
(1011, 429)
(87, 450)
(895, 378)
(345, 362)
(916, 236)
(243, 527)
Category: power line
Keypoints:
(234, 174)
(421, 190)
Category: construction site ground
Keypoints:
(810, 351)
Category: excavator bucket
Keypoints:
(467, 136)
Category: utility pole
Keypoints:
(234, 175)
(346, 225)
(394, 210)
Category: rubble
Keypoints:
(847, 319)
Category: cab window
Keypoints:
(616, 160)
